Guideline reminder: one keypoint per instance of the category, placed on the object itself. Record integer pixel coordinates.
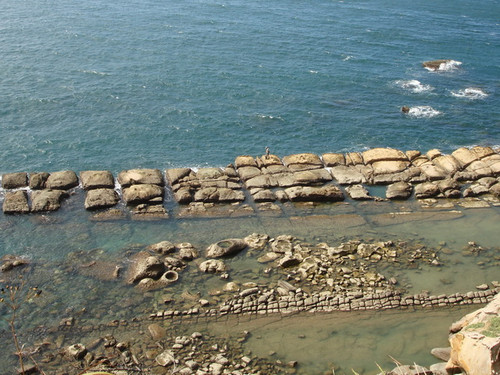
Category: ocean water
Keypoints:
(101, 85)
(159, 84)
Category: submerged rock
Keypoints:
(145, 266)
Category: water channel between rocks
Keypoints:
(58, 244)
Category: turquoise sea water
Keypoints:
(160, 84)
(101, 85)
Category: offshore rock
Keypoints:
(140, 176)
(14, 180)
(142, 193)
(16, 202)
(225, 248)
(101, 198)
(46, 200)
(97, 180)
(63, 180)
(475, 341)
(435, 64)
(38, 180)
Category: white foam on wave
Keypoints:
(423, 111)
(414, 86)
(472, 93)
(269, 117)
(94, 72)
(446, 66)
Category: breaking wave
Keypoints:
(414, 86)
(446, 66)
(423, 111)
(471, 93)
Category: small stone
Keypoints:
(77, 351)
(165, 359)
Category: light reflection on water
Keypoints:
(58, 243)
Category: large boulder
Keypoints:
(447, 163)
(389, 166)
(313, 176)
(426, 190)
(225, 248)
(214, 195)
(62, 180)
(329, 193)
(142, 193)
(435, 65)
(14, 180)
(97, 180)
(209, 173)
(301, 159)
(464, 156)
(212, 266)
(144, 265)
(248, 172)
(333, 159)
(46, 200)
(475, 341)
(245, 161)
(140, 176)
(101, 198)
(16, 202)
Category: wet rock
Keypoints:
(16, 202)
(435, 64)
(329, 193)
(97, 180)
(157, 332)
(38, 180)
(140, 176)
(46, 200)
(187, 251)
(212, 266)
(213, 194)
(358, 192)
(76, 351)
(410, 370)
(264, 196)
(163, 247)
(14, 180)
(63, 180)
(256, 241)
(142, 193)
(166, 358)
(145, 266)
(225, 248)
(399, 190)
(289, 261)
(101, 198)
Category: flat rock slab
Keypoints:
(399, 190)
(347, 175)
(140, 176)
(358, 192)
(383, 154)
(97, 180)
(101, 198)
(16, 202)
(46, 200)
(62, 180)
(330, 193)
(14, 180)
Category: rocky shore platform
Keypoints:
(264, 183)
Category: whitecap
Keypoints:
(347, 58)
(446, 66)
(313, 71)
(471, 93)
(269, 117)
(94, 72)
(414, 86)
(423, 111)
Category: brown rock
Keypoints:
(447, 163)
(305, 158)
(245, 161)
(312, 177)
(333, 159)
(46, 200)
(101, 198)
(383, 154)
(143, 265)
(347, 175)
(226, 247)
(353, 158)
(140, 176)
(157, 332)
(464, 156)
(16, 202)
(309, 193)
(389, 167)
(97, 180)
(268, 161)
(434, 64)
(63, 180)
(248, 172)
(142, 193)
(209, 173)
(358, 192)
(426, 190)
(38, 180)
(174, 175)
(14, 180)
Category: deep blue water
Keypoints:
(99, 84)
